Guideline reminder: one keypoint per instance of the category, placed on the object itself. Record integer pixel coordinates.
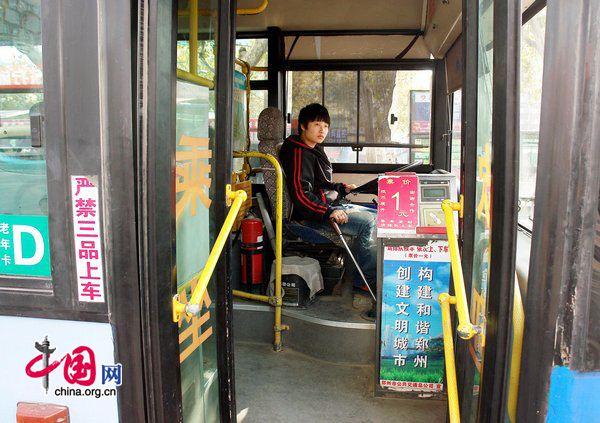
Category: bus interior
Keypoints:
(217, 304)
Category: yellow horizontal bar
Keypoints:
(453, 407)
(465, 329)
(254, 11)
(181, 74)
(207, 12)
(259, 68)
(256, 297)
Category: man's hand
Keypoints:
(339, 216)
(349, 188)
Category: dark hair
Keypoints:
(312, 113)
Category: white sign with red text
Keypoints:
(88, 239)
(398, 204)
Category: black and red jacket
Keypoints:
(308, 177)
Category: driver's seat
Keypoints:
(270, 135)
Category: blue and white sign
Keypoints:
(412, 344)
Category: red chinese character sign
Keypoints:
(88, 240)
(398, 208)
(412, 345)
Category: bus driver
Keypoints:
(312, 192)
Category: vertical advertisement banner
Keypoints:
(24, 245)
(412, 345)
(88, 239)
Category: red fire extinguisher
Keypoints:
(252, 251)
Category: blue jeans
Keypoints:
(362, 226)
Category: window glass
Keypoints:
(340, 154)
(392, 107)
(195, 219)
(303, 87)
(455, 155)
(532, 66)
(22, 155)
(483, 218)
(24, 235)
(255, 52)
(395, 106)
(385, 155)
(341, 101)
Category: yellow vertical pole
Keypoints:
(453, 408)
(193, 5)
(465, 329)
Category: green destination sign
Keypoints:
(24, 245)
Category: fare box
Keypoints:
(398, 205)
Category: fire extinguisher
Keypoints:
(252, 252)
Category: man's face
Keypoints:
(315, 133)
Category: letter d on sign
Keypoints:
(38, 253)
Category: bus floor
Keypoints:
(292, 387)
(325, 370)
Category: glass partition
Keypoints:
(195, 228)
(532, 67)
(483, 218)
(23, 183)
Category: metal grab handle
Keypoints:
(275, 300)
(193, 305)
(466, 330)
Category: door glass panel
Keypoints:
(195, 228)
(23, 183)
(22, 157)
(532, 67)
(483, 216)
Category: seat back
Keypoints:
(270, 135)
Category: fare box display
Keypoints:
(398, 204)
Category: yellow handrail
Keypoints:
(193, 7)
(192, 306)
(515, 361)
(208, 12)
(453, 408)
(276, 299)
(181, 74)
(465, 329)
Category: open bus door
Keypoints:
(100, 215)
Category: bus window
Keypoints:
(22, 157)
(532, 60)
(377, 116)
(303, 87)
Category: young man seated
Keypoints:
(308, 177)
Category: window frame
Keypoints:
(369, 65)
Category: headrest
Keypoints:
(270, 125)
